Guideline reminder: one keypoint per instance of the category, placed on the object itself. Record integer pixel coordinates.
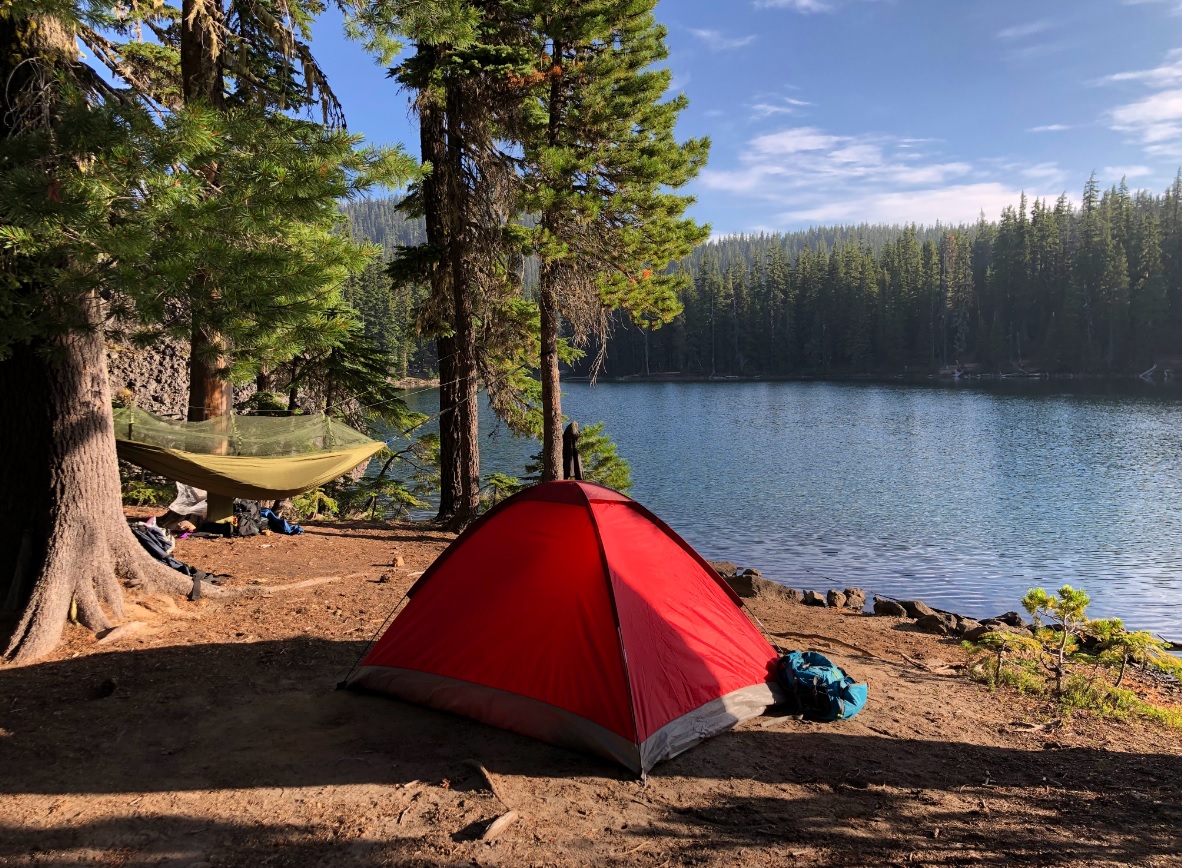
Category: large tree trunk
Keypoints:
(64, 541)
(551, 386)
(202, 81)
(463, 312)
(433, 148)
(548, 309)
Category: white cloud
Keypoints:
(793, 141)
(1049, 128)
(807, 174)
(1154, 121)
(957, 204)
(1021, 31)
(1116, 173)
(1175, 5)
(1167, 74)
(806, 6)
(715, 40)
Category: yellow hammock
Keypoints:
(254, 457)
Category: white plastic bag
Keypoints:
(189, 501)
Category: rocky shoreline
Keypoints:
(750, 583)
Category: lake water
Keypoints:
(963, 496)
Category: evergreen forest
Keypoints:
(1087, 288)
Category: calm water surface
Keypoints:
(962, 496)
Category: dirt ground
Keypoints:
(212, 735)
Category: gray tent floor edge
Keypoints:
(500, 708)
(548, 723)
(707, 721)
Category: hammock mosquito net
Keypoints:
(256, 457)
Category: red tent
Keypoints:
(572, 614)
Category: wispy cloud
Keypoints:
(960, 203)
(1115, 173)
(1049, 128)
(1168, 73)
(716, 41)
(1154, 121)
(1022, 31)
(806, 174)
(1175, 5)
(806, 6)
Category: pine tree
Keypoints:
(601, 162)
(105, 216)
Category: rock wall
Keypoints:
(155, 379)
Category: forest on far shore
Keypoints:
(1048, 287)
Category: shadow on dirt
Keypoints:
(240, 716)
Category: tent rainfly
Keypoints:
(572, 614)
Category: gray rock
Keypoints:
(963, 625)
(724, 568)
(855, 598)
(835, 599)
(938, 623)
(889, 608)
(812, 598)
(1013, 619)
(917, 608)
(974, 634)
(744, 586)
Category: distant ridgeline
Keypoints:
(1093, 289)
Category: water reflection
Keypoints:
(965, 497)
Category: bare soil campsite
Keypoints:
(210, 733)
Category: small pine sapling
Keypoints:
(1120, 647)
(1001, 644)
(1067, 614)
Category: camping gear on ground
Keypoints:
(258, 457)
(817, 688)
(189, 503)
(572, 614)
(248, 520)
(159, 544)
(278, 524)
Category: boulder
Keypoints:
(855, 598)
(835, 599)
(974, 634)
(1013, 619)
(938, 622)
(724, 568)
(767, 588)
(744, 586)
(751, 571)
(963, 625)
(889, 608)
(916, 608)
(812, 598)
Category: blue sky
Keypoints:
(839, 111)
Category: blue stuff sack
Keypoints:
(820, 689)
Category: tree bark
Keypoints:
(202, 81)
(433, 149)
(62, 498)
(551, 386)
(463, 313)
(548, 307)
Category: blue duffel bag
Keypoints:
(819, 688)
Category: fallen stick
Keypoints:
(814, 637)
(492, 783)
(499, 825)
(294, 586)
